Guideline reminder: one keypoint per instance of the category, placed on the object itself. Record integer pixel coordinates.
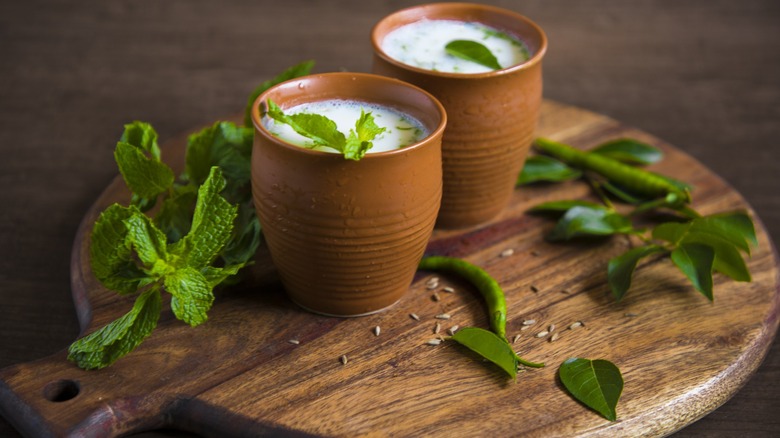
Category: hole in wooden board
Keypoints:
(61, 390)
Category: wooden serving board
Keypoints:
(237, 375)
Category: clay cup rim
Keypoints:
(484, 14)
(380, 84)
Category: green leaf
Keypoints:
(192, 295)
(474, 52)
(695, 261)
(149, 242)
(212, 224)
(320, 129)
(298, 70)
(245, 237)
(629, 151)
(360, 139)
(225, 145)
(728, 260)
(621, 268)
(735, 228)
(543, 168)
(104, 346)
(490, 346)
(672, 232)
(146, 177)
(111, 256)
(215, 276)
(143, 136)
(565, 205)
(175, 215)
(586, 221)
(596, 383)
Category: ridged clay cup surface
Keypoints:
(347, 236)
(491, 116)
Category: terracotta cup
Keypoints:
(347, 236)
(491, 116)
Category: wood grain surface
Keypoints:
(699, 74)
(239, 375)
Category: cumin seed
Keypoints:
(436, 328)
(529, 322)
(507, 252)
(414, 316)
(377, 331)
(435, 297)
(551, 328)
(514, 339)
(554, 337)
(525, 327)
(443, 316)
(453, 329)
(343, 359)
(542, 334)
(294, 341)
(575, 325)
(434, 342)
(448, 289)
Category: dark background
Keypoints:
(702, 75)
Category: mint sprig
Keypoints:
(474, 52)
(203, 233)
(323, 131)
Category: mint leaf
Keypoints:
(695, 261)
(149, 242)
(565, 205)
(586, 221)
(146, 177)
(621, 268)
(320, 129)
(490, 346)
(596, 383)
(541, 168)
(245, 237)
(175, 215)
(629, 151)
(298, 70)
(104, 346)
(192, 295)
(225, 145)
(360, 139)
(111, 256)
(212, 224)
(143, 136)
(474, 52)
(215, 276)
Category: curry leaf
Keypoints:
(695, 261)
(490, 346)
(474, 52)
(596, 383)
(541, 168)
(621, 268)
(586, 221)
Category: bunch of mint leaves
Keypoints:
(204, 230)
(697, 245)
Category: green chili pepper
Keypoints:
(636, 180)
(487, 286)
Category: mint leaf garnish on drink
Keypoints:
(474, 52)
(323, 131)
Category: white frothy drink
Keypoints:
(400, 130)
(421, 44)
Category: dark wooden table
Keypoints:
(702, 75)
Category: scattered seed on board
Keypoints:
(435, 297)
(551, 328)
(534, 288)
(443, 316)
(414, 316)
(554, 337)
(436, 329)
(542, 334)
(449, 290)
(514, 340)
(377, 331)
(452, 330)
(529, 322)
(434, 342)
(525, 327)
(343, 359)
(294, 341)
(433, 283)
(575, 325)
(507, 252)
